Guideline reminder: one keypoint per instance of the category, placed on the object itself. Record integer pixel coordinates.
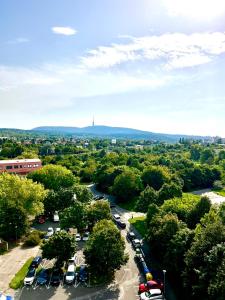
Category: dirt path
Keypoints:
(214, 198)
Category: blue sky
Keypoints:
(157, 65)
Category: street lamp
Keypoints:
(164, 282)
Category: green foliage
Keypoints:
(53, 177)
(61, 246)
(155, 176)
(74, 216)
(147, 197)
(14, 221)
(127, 185)
(207, 156)
(139, 224)
(17, 281)
(83, 194)
(33, 239)
(98, 211)
(197, 273)
(104, 251)
(169, 191)
(20, 191)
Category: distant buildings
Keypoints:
(20, 166)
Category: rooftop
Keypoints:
(13, 161)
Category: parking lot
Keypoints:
(125, 285)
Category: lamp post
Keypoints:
(164, 282)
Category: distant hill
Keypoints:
(112, 132)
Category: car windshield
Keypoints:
(31, 273)
(70, 274)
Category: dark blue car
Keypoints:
(83, 275)
(43, 277)
(36, 262)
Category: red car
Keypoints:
(151, 284)
(41, 219)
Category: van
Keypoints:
(70, 274)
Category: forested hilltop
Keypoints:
(186, 233)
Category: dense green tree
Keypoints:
(155, 176)
(169, 191)
(97, 211)
(61, 246)
(205, 239)
(83, 193)
(147, 197)
(105, 250)
(200, 209)
(207, 156)
(195, 152)
(53, 177)
(127, 185)
(20, 191)
(14, 221)
(74, 216)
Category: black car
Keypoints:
(43, 277)
(121, 224)
(98, 197)
(36, 262)
(56, 277)
(131, 235)
(83, 275)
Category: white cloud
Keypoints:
(64, 30)
(19, 40)
(171, 50)
(199, 10)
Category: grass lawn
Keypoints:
(139, 224)
(220, 192)
(17, 280)
(130, 205)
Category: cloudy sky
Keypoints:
(157, 65)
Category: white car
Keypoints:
(86, 236)
(153, 294)
(29, 279)
(78, 237)
(72, 260)
(50, 231)
(116, 217)
(58, 229)
(70, 274)
(56, 217)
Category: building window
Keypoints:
(16, 167)
(8, 167)
(21, 166)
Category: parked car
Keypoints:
(78, 237)
(154, 294)
(72, 260)
(139, 253)
(116, 217)
(83, 275)
(131, 235)
(29, 278)
(98, 197)
(56, 277)
(70, 274)
(57, 229)
(50, 231)
(43, 277)
(121, 224)
(86, 236)
(56, 217)
(136, 243)
(36, 262)
(151, 284)
(41, 219)
(112, 205)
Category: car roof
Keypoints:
(71, 268)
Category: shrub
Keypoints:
(217, 185)
(33, 239)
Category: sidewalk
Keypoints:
(11, 262)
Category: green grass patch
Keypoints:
(139, 224)
(17, 280)
(219, 192)
(129, 205)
